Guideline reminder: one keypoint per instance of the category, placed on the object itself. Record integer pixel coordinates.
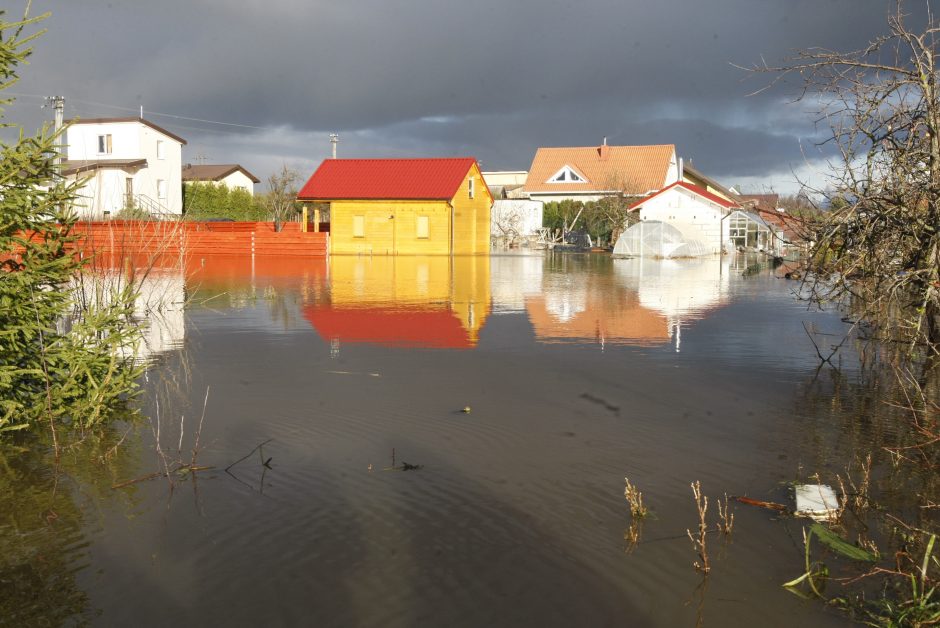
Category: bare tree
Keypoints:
(880, 242)
(614, 207)
(281, 198)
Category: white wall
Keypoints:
(521, 216)
(697, 218)
(238, 180)
(564, 196)
(505, 177)
(129, 140)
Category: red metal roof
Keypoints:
(404, 179)
(438, 329)
(691, 188)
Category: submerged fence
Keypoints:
(198, 238)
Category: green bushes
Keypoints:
(208, 200)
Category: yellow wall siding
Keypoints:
(472, 216)
(472, 296)
(704, 185)
(390, 227)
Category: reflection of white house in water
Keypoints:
(158, 309)
(677, 288)
(680, 289)
(512, 279)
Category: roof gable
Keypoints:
(404, 179)
(631, 169)
(158, 129)
(703, 193)
(567, 174)
(214, 172)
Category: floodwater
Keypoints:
(576, 371)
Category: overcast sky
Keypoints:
(492, 79)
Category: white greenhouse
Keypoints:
(653, 238)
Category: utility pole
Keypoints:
(334, 140)
(58, 105)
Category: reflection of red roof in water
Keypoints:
(395, 327)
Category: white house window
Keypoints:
(161, 150)
(161, 189)
(470, 186)
(567, 175)
(104, 144)
(422, 228)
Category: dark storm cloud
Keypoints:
(492, 78)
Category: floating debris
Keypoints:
(816, 501)
(760, 504)
(466, 410)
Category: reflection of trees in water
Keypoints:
(45, 518)
(877, 410)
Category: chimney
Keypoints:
(681, 169)
(604, 150)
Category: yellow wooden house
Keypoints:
(403, 206)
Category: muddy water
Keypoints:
(577, 370)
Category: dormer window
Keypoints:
(567, 175)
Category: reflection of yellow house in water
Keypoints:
(405, 301)
(403, 206)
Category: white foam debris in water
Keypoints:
(817, 501)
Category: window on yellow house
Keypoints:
(422, 227)
(470, 186)
(359, 226)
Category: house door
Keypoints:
(129, 192)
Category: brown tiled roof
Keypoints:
(214, 172)
(141, 120)
(766, 202)
(630, 169)
(75, 167)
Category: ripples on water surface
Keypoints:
(578, 370)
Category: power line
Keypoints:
(154, 113)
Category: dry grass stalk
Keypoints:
(699, 539)
(725, 517)
(631, 536)
(635, 498)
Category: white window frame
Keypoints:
(105, 146)
(470, 186)
(161, 190)
(161, 149)
(567, 174)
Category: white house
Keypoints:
(233, 176)
(126, 162)
(697, 213)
